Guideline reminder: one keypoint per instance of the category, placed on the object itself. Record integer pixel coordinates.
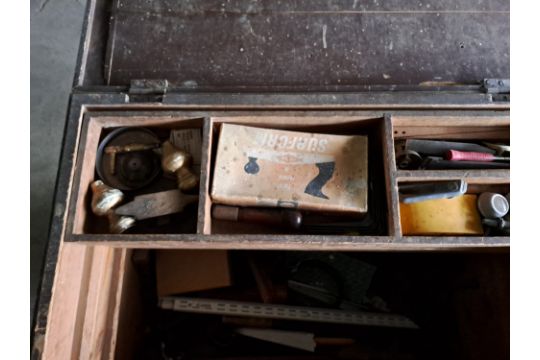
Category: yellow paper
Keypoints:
(457, 216)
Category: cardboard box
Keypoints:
(183, 271)
(266, 167)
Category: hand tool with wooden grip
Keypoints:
(287, 218)
(157, 204)
(455, 155)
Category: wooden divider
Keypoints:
(391, 129)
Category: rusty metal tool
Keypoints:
(157, 204)
(287, 218)
(126, 158)
(456, 155)
(122, 149)
(284, 312)
(415, 192)
(499, 148)
(439, 148)
(437, 163)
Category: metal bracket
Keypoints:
(496, 86)
(144, 90)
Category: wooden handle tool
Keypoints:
(287, 218)
(157, 204)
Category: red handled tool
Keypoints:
(456, 155)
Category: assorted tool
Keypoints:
(126, 158)
(295, 339)
(104, 200)
(129, 163)
(284, 312)
(414, 154)
(495, 210)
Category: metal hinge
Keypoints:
(499, 89)
(144, 90)
(496, 86)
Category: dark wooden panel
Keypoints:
(308, 43)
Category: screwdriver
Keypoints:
(456, 155)
(279, 217)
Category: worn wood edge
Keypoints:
(205, 204)
(293, 120)
(471, 176)
(450, 120)
(85, 157)
(83, 314)
(42, 336)
(129, 321)
(102, 306)
(64, 325)
(293, 242)
(110, 121)
(392, 199)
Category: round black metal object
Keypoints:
(408, 160)
(128, 170)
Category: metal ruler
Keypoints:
(285, 312)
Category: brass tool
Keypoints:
(156, 204)
(119, 224)
(104, 200)
(176, 161)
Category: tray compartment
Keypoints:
(374, 128)
(452, 128)
(84, 221)
(474, 186)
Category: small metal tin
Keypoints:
(492, 205)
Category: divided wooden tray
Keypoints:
(383, 129)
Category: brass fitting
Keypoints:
(174, 160)
(104, 198)
(118, 223)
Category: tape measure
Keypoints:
(285, 312)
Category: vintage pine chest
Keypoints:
(393, 70)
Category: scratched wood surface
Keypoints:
(308, 44)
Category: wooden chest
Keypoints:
(391, 72)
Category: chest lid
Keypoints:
(302, 45)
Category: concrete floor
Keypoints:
(55, 32)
